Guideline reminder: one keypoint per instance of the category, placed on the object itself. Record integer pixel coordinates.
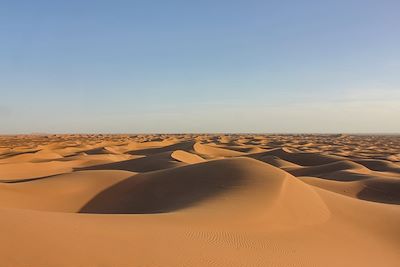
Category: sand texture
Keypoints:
(199, 200)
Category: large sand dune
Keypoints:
(199, 200)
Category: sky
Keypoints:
(299, 66)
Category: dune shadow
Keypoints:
(381, 191)
(188, 145)
(144, 164)
(340, 176)
(343, 176)
(12, 154)
(306, 159)
(162, 191)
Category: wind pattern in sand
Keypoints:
(200, 200)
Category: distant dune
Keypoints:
(199, 200)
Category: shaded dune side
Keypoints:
(142, 164)
(42, 155)
(350, 178)
(237, 188)
(276, 161)
(167, 190)
(100, 150)
(379, 165)
(383, 190)
(330, 167)
(299, 158)
(186, 145)
(249, 149)
(227, 187)
(30, 170)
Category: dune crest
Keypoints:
(199, 200)
(211, 151)
(186, 157)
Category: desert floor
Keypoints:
(199, 200)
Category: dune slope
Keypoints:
(199, 200)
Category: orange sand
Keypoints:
(199, 200)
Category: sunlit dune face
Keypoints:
(239, 199)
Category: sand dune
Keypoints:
(211, 151)
(379, 165)
(141, 164)
(339, 165)
(301, 158)
(199, 200)
(186, 157)
(65, 192)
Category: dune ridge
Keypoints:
(199, 200)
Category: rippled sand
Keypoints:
(199, 200)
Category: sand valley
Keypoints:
(199, 200)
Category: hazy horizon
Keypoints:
(209, 67)
(205, 133)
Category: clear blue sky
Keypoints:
(199, 66)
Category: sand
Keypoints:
(199, 200)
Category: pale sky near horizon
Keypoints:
(200, 66)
